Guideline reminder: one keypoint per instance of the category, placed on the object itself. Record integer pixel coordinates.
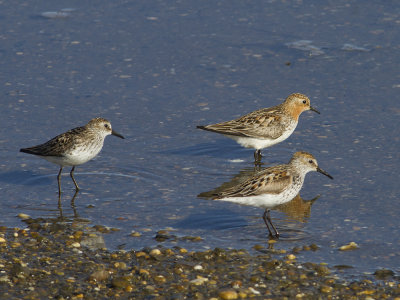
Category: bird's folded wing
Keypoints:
(269, 181)
(264, 123)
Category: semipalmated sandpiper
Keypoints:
(74, 147)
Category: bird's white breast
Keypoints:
(269, 200)
(261, 143)
(78, 155)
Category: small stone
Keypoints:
(326, 289)
(59, 272)
(160, 279)
(169, 252)
(120, 265)
(383, 273)
(291, 257)
(15, 245)
(75, 245)
(322, 270)
(78, 235)
(140, 254)
(23, 216)
(254, 291)
(155, 252)
(120, 282)
(366, 292)
(150, 288)
(129, 288)
(236, 284)
(198, 267)
(199, 280)
(2, 240)
(228, 294)
(300, 296)
(144, 272)
(349, 246)
(99, 275)
(258, 247)
(183, 251)
(296, 250)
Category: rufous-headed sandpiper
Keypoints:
(265, 127)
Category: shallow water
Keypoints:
(156, 70)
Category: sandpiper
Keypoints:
(273, 186)
(265, 127)
(74, 147)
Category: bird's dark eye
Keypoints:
(106, 126)
(304, 101)
(310, 161)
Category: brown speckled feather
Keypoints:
(57, 145)
(262, 123)
(272, 180)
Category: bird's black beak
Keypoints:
(117, 134)
(313, 109)
(324, 172)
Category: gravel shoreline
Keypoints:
(50, 260)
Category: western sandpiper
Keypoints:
(74, 147)
(273, 186)
(265, 127)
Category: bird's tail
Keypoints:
(28, 150)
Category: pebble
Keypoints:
(383, 273)
(160, 279)
(155, 252)
(75, 245)
(253, 291)
(228, 294)
(23, 216)
(37, 265)
(349, 246)
(199, 280)
(120, 265)
(326, 289)
(135, 234)
(120, 282)
(99, 275)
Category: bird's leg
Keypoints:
(59, 204)
(73, 179)
(267, 219)
(59, 183)
(257, 157)
(73, 204)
